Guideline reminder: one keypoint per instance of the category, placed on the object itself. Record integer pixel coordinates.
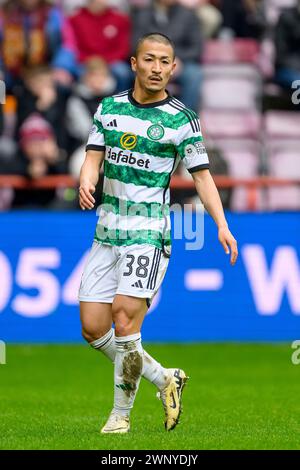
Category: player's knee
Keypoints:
(123, 322)
(124, 328)
(87, 335)
(91, 334)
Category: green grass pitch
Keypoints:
(239, 396)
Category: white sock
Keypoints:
(106, 344)
(155, 372)
(152, 370)
(128, 372)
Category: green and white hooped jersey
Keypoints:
(143, 145)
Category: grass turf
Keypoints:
(238, 397)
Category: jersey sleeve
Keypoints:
(96, 136)
(190, 146)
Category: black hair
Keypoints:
(157, 37)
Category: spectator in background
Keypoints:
(39, 93)
(7, 153)
(70, 6)
(7, 147)
(287, 43)
(33, 32)
(210, 17)
(243, 18)
(104, 32)
(182, 26)
(39, 156)
(96, 83)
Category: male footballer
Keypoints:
(141, 135)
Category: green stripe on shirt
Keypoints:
(131, 208)
(130, 237)
(127, 174)
(156, 116)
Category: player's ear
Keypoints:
(173, 67)
(133, 63)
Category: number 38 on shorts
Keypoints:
(134, 270)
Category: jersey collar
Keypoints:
(147, 105)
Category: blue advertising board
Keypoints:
(202, 298)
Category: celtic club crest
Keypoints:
(155, 132)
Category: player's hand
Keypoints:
(229, 243)
(86, 200)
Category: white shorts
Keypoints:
(135, 270)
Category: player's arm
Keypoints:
(210, 198)
(95, 152)
(89, 175)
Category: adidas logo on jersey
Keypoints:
(137, 284)
(112, 123)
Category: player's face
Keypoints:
(153, 65)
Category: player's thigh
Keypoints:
(96, 319)
(99, 278)
(128, 314)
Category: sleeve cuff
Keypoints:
(204, 166)
(98, 148)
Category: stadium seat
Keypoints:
(231, 51)
(284, 162)
(235, 86)
(230, 93)
(238, 70)
(230, 123)
(282, 124)
(243, 158)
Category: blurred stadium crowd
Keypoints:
(238, 66)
